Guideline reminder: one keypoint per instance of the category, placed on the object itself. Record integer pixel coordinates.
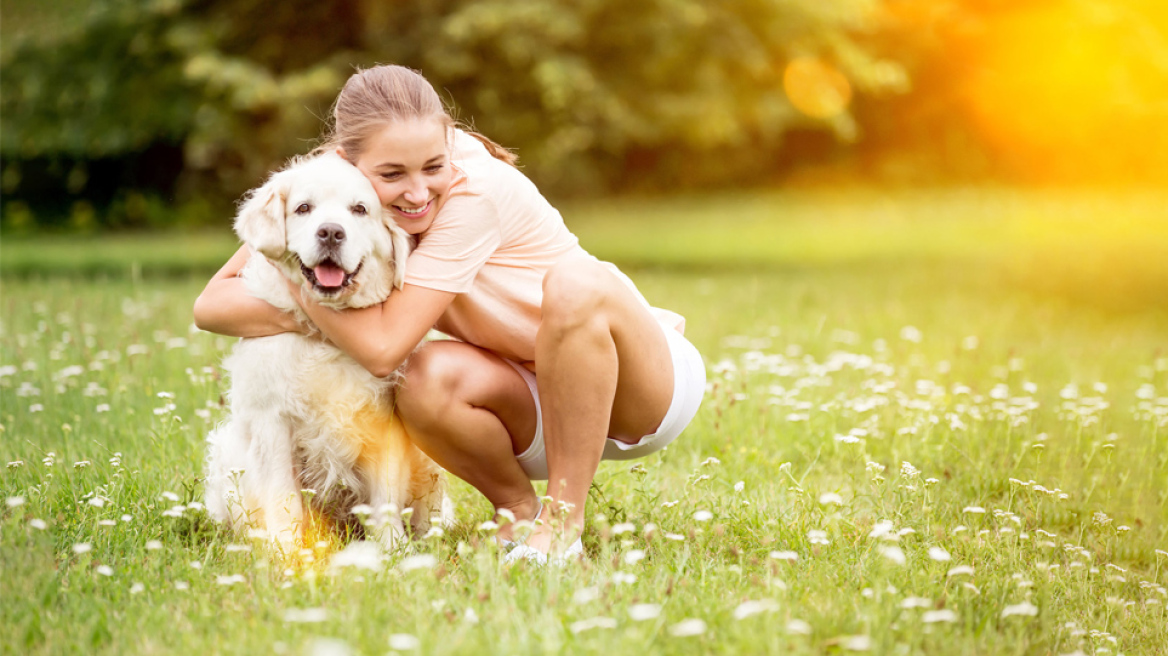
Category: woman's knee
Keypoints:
(431, 384)
(577, 292)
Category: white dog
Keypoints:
(308, 424)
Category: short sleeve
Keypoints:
(462, 238)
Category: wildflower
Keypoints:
(624, 577)
(15, 464)
(586, 595)
(488, 526)
(710, 462)
(633, 557)
(938, 554)
(668, 504)
(686, 628)
(153, 545)
(748, 608)
(959, 570)
(419, 561)
(1025, 609)
(470, 617)
(740, 486)
(38, 524)
(624, 527)
(911, 334)
(36, 407)
(847, 439)
(136, 588)
(81, 464)
(642, 612)
(182, 585)
(13, 502)
(883, 530)
(675, 537)
(105, 570)
(832, 498)
(592, 623)
(703, 516)
(788, 556)
(916, 602)
(102, 407)
(894, 554)
(857, 643)
(107, 522)
(82, 547)
(934, 616)
(817, 537)
(305, 615)
(403, 642)
(231, 579)
(974, 510)
(798, 627)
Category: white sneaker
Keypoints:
(573, 553)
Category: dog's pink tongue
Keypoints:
(329, 275)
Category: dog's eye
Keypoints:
(360, 210)
(303, 208)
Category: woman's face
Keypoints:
(409, 166)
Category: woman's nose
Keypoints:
(416, 194)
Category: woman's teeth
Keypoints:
(416, 210)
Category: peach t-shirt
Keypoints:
(491, 243)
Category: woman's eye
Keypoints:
(360, 210)
(390, 176)
(304, 208)
(434, 169)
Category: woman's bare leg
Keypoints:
(472, 413)
(604, 369)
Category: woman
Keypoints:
(560, 361)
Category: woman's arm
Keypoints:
(380, 337)
(226, 307)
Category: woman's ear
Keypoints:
(260, 222)
(341, 153)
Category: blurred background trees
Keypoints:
(157, 112)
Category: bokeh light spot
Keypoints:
(816, 88)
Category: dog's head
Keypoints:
(320, 222)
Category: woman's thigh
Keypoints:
(446, 374)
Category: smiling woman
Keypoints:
(558, 361)
(414, 188)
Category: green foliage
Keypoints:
(594, 95)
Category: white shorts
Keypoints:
(689, 385)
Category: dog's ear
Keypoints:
(402, 245)
(260, 222)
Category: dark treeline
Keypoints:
(154, 112)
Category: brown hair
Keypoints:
(375, 96)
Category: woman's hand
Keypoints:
(380, 337)
(226, 307)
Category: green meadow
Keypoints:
(936, 422)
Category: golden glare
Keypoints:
(1063, 90)
(816, 88)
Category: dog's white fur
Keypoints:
(305, 416)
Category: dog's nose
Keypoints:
(330, 234)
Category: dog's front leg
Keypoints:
(385, 497)
(271, 481)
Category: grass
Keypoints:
(988, 357)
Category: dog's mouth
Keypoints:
(328, 278)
